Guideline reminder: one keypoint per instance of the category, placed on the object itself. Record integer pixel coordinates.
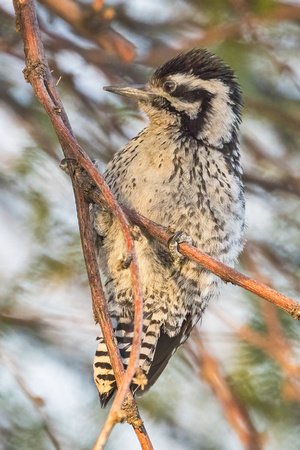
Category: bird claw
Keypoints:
(101, 216)
(66, 164)
(138, 236)
(124, 261)
(102, 220)
(136, 233)
(180, 237)
(140, 379)
(83, 179)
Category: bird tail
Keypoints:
(156, 350)
(103, 372)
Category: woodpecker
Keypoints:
(182, 171)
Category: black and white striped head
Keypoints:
(195, 92)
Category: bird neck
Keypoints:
(176, 137)
(218, 123)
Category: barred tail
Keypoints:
(156, 350)
(103, 372)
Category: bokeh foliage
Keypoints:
(236, 384)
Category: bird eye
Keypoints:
(169, 86)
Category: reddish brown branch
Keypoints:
(224, 272)
(38, 74)
(233, 276)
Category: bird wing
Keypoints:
(165, 348)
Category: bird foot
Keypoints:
(124, 261)
(67, 163)
(102, 220)
(70, 165)
(136, 233)
(140, 379)
(180, 237)
(83, 179)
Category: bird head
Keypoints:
(195, 92)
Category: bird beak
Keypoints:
(138, 92)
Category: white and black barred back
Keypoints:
(183, 170)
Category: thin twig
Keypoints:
(37, 72)
(37, 402)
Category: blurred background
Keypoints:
(235, 384)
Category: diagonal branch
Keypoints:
(227, 274)
(38, 74)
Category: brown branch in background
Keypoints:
(264, 342)
(27, 119)
(271, 110)
(285, 180)
(234, 412)
(274, 343)
(246, 23)
(290, 184)
(93, 23)
(37, 402)
(234, 30)
(38, 74)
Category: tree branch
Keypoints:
(38, 74)
(227, 274)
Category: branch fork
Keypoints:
(38, 74)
